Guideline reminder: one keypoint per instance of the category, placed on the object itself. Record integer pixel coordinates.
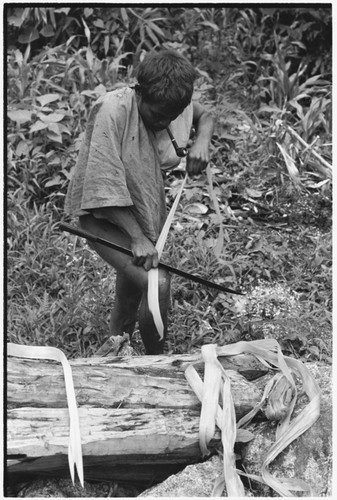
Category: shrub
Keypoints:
(250, 70)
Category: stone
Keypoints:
(194, 481)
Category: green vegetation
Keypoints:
(267, 74)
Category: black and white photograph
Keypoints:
(168, 277)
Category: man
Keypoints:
(118, 189)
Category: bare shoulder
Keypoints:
(199, 110)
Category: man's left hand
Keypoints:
(198, 157)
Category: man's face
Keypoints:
(156, 116)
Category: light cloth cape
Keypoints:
(120, 161)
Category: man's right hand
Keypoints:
(144, 253)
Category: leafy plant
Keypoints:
(107, 32)
(286, 87)
(59, 292)
(315, 118)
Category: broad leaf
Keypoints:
(47, 98)
(47, 31)
(51, 118)
(37, 126)
(20, 115)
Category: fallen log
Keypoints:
(133, 411)
(128, 382)
(36, 432)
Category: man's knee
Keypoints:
(86, 221)
(164, 283)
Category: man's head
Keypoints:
(165, 87)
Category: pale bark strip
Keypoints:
(153, 274)
(210, 397)
(74, 435)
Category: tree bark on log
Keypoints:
(132, 411)
(119, 433)
(128, 382)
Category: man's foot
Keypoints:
(116, 345)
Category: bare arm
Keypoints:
(199, 155)
(144, 252)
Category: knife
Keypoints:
(96, 239)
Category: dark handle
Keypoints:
(91, 237)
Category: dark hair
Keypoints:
(166, 76)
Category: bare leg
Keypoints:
(147, 328)
(127, 300)
(131, 286)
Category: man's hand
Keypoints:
(198, 157)
(144, 253)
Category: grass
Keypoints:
(275, 233)
(278, 236)
(56, 285)
(60, 293)
(297, 258)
